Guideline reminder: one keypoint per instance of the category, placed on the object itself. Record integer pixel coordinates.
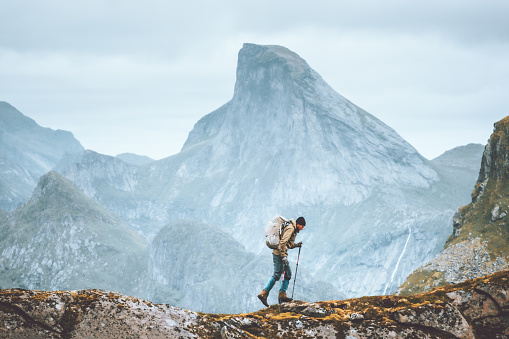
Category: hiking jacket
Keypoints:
(287, 240)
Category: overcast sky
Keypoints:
(135, 76)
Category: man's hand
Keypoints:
(285, 261)
(299, 244)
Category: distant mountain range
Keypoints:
(285, 144)
(461, 158)
(460, 167)
(61, 239)
(134, 159)
(27, 151)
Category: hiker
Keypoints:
(280, 258)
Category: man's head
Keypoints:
(301, 222)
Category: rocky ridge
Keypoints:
(474, 309)
(134, 159)
(479, 243)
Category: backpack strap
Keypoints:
(282, 227)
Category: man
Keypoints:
(280, 258)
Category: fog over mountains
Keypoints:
(286, 143)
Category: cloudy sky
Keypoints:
(135, 76)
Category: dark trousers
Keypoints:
(278, 271)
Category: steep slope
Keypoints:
(475, 309)
(61, 239)
(479, 243)
(288, 144)
(27, 151)
(287, 120)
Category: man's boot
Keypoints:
(263, 297)
(283, 298)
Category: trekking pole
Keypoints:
(296, 268)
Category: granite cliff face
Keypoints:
(475, 309)
(479, 244)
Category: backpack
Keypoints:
(274, 230)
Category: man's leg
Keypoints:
(278, 267)
(278, 270)
(270, 284)
(284, 286)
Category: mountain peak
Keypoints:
(269, 56)
(281, 109)
(13, 120)
(58, 194)
(55, 187)
(495, 161)
(271, 71)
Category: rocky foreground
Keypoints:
(474, 309)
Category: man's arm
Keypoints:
(284, 242)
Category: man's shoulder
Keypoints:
(291, 225)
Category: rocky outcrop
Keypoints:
(479, 243)
(475, 309)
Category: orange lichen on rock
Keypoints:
(473, 308)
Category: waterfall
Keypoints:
(397, 264)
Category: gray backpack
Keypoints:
(274, 230)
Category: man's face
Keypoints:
(300, 227)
